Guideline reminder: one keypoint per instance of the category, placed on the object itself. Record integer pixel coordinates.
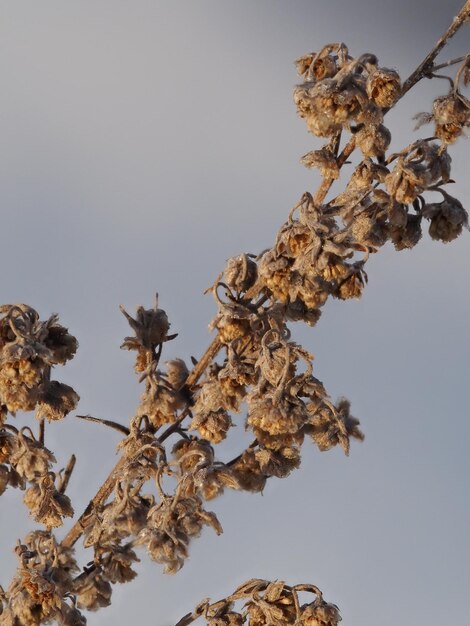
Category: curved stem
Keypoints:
(426, 65)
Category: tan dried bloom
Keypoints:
(373, 141)
(407, 236)
(330, 425)
(276, 419)
(176, 373)
(213, 425)
(92, 589)
(150, 326)
(447, 218)
(247, 470)
(324, 66)
(30, 458)
(383, 87)
(124, 516)
(240, 273)
(61, 343)
(275, 608)
(160, 402)
(28, 348)
(304, 62)
(47, 505)
(19, 382)
(116, 562)
(171, 525)
(52, 557)
(278, 463)
(408, 180)
(320, 614)
(215, 479)
(56, 401)
(7, 445)
(193, 452)
(41, 590)
(450, 113)
(369, 226)
(323, 159)
(352, 283)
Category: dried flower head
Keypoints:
(447, 218)
(56, 400)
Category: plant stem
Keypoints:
(448, 63)
(67, 474)
(427, 64)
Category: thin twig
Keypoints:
(426, 65)
(119, 427)
(42, 430)
(448, 63)
(101, 495)
(64, 481)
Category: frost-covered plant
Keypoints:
(252, 372)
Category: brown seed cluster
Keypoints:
(29, 348)
(340, 91)
(253, 375)
(42, 588)
(263, 603)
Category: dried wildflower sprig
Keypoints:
(252, 364)
(263, 603)
(315, 256)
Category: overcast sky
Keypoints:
(145, 142)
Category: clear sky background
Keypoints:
(145, 142)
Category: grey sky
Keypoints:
(145, 142)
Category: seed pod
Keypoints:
(324, 160)
(324, 67)
(212, 426)
(93, 590)
(240, 273)
(248, 473)
(150, 326)
(408, 180)
(373, 141)
(407, 236)
(56, 401)
(320, 614)
(447, 219)
(383, 87)
(451, 113)
(62, 344)
(304, 62)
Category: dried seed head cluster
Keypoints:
(450, 113)
(340, 91)
(253, 373)
(29, 348)
(263, 603)
(41, 590)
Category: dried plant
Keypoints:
(156, 496)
